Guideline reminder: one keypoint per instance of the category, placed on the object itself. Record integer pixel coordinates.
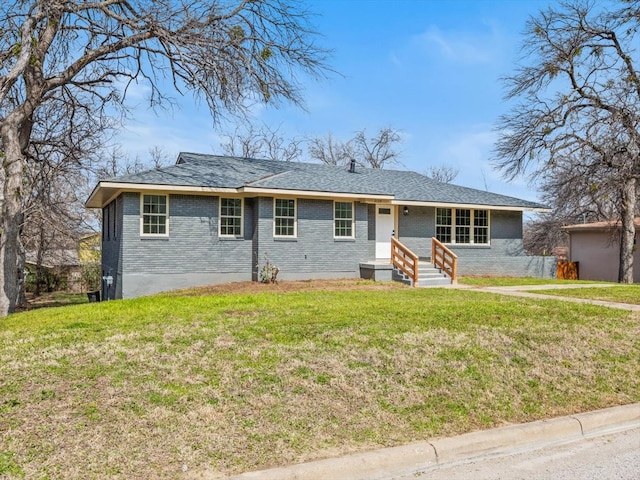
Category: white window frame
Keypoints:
(295, 217)
(232, 235)
(336, 220)
(472, 225)
(166, 215)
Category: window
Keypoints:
(481, 226)
(284, 217)
(443, 224)
(155, 215)
(462, 226)
(343, 219)
(231, 217)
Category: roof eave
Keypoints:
(317, 193)
(105, 192)
(517, 208)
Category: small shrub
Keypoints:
(268, 272)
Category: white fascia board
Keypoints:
(111, 190)
(469, 205)
(314, 194)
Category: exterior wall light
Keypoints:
(405, 211)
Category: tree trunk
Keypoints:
(11, 216)
(627, 231)
(22, 294)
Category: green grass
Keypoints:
(615, 293)
(56, 299)
(221, 384)
(515, 281)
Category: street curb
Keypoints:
(408, 459)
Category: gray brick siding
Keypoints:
(194, 253)
(314, 252)
(112, 248)
(193, 244)
(504, 256)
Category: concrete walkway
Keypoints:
(422, 457)
(525, 291)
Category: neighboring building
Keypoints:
(57, 269)
(212, 219)
(596, 248)
(89, 248)
(69, 267)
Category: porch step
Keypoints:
(428, 276)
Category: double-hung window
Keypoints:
(462, 226)
(343, 220)
(443, 224)
(230, 217)
(155, 215)
(481, 226)
(284, 217)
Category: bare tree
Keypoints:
(544, 235)
(377, 151)
(373, 152)
(251, 142)
(230, 53)
(579, 115)
(63, 138)
(159, 158)
(330, 151)
(443, 173)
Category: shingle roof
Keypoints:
(199, 170)
(598, 226)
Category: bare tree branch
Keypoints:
(577, 126)
(231, 53)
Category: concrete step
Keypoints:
(428, 276)
(434, 281)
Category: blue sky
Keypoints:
(428, 68)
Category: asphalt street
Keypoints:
(610, 457)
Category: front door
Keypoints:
(384, 230)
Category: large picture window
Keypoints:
(284, 217)
(155, 215)
(462, 226)
(343, 219)
(230, 217)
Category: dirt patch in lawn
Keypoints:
(289, 286)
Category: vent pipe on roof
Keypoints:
(352, 166)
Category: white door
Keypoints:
(384, 230)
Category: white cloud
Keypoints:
(469, 48)
(172, 133)
(471, 153)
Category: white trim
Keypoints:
(241, 234)
(353, 220)
(474, 206)
(471, 226)
(103, 194)
(295, 218)
(110, 190)
(152, 235)
(282, 193)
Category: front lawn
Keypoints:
(516, 281)
(615, 293)
(225, 383)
